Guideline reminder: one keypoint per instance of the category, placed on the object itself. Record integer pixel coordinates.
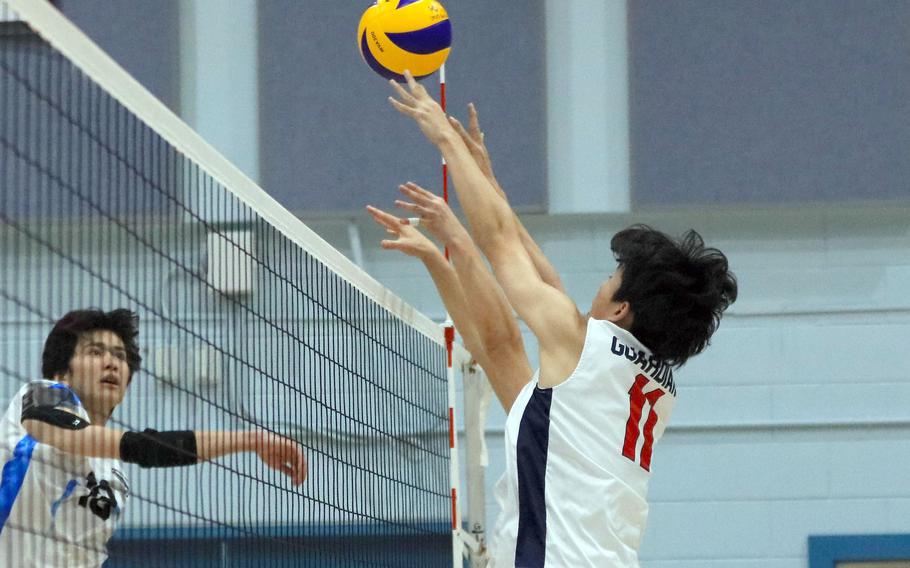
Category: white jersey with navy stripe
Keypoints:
(578, 458)
(56, 509)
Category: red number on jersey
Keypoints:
(637, 399)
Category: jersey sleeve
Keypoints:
(55, 404)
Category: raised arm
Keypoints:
(410, 241)
(473, 138)
(550, 313)
(470, 293)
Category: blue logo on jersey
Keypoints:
(70, 487)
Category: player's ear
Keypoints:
(621, 314)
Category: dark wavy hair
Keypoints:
(60, 344)
(677, 290)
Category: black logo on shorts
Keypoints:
(100, 500)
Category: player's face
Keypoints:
(605, 307)
(98, 371)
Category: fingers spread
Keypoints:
(402, 108)
(402, 93)
(382, 218)
(459, 129)
(473, 145)
(413, 208)
(419, 195)
(412, 83)
(457, 126)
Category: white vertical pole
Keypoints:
(219, 77)
(477, 396)
(587, 106)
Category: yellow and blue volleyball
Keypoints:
(395, 35)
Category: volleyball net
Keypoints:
(248, 321)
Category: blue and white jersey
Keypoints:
(56, 509)
(578, 459)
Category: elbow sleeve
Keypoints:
(150, 448)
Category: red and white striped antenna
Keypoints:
(449, 327)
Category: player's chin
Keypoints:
(111, 393)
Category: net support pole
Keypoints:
(477, 397)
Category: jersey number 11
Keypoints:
(637, 399)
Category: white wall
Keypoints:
(795, 421)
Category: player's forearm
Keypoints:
(546, 271)
(91, 442)
(453, 298)
(211, 445)
(544, 268)
(489, 216)
(148, 448)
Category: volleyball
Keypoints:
(395, 35)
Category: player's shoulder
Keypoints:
(47, 394)
(608, 332)
(49, 388)
(10, 426)
(30, 387)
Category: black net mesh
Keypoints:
(241, 329)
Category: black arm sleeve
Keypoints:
(53, 404)
(55, 417)
(150, 448)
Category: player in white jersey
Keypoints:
(580, 435)
(63, 486)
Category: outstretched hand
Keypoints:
(282, 454)
(419, 105)
(434, 213)
(474, 139)
(407, 239)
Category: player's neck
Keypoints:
(99, 417)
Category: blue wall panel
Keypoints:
(330, 141)
(143, 37)
(736, 101)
